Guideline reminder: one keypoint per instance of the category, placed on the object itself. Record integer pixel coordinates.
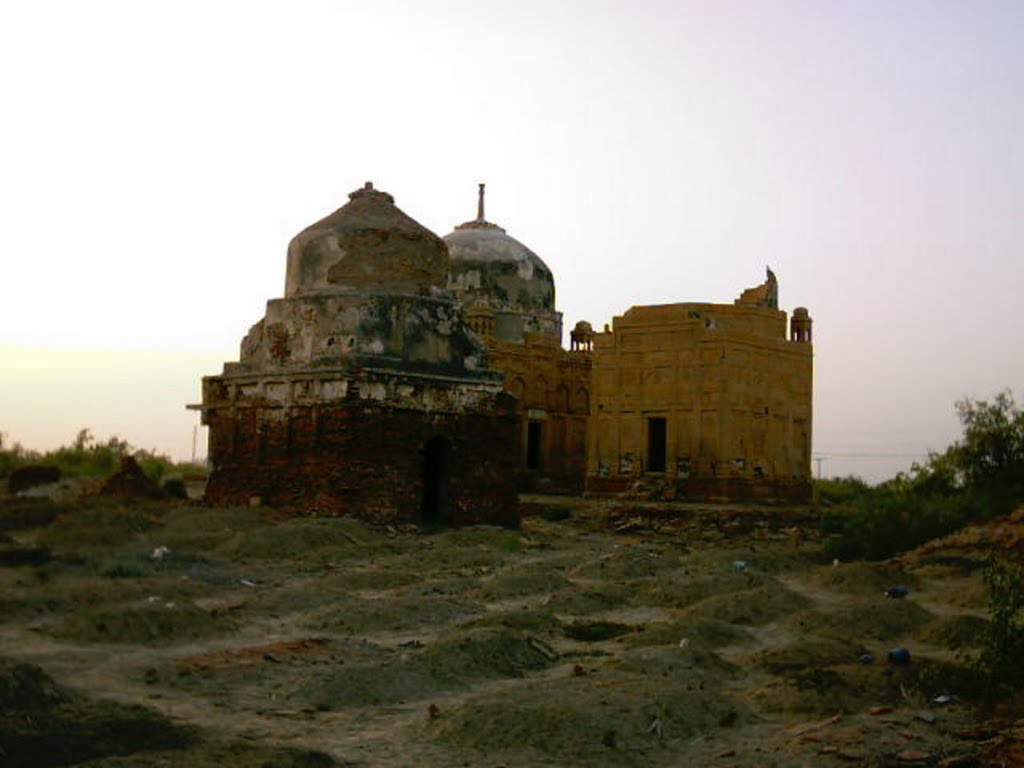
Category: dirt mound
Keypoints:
(750, 607)
(956, 632)
(452, 663)
(233, 755)
(536, 622)
(153, 622)
(101, 523)
(880, 620)
(511, 585)
(629, 564)
(16, 514)
(806, 654)
(680, 589)
(43, 724)
(861, 578)
(352, 614)
(598, 719)
(975, 542)
(818, 689)
(578, 601)
(706, 634)
(319, 540)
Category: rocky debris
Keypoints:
(131, 481)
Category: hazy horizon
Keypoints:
(158, 158)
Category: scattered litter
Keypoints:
(684, 643)
(247, 583)
(655, 727)
(800, 730)
(160, 553)
(866, 658)
(925, 716)
(740, 565)
(897, 593)
(835, 562)
(542, 648)
(943, 699)
(899, 656)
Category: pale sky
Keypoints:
(156, 158)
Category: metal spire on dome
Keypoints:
(480, 222)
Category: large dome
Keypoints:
(367, 244)
(491, 268)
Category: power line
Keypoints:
(829, 455)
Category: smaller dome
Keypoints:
(491, 268)
(368, 244)
(583, 327)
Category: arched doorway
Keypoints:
(436, 470)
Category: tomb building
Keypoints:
(363, 390)
(704, 401)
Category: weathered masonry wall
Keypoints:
(362, 453)
(552, 388)
(705, 401)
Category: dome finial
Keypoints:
(480, 204)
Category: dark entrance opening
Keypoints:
(533, 440)
(657, 434)
(436, 471)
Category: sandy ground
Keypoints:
(596, 635)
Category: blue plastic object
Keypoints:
(899, 656)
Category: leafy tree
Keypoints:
(977, 478)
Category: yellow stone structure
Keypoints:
(703, 401)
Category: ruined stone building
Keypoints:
(405, 377)
(364, 390)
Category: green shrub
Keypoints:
(1003, 654)
(86, 456)
(840, 490)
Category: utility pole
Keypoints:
(818, 460)
(195, 431)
